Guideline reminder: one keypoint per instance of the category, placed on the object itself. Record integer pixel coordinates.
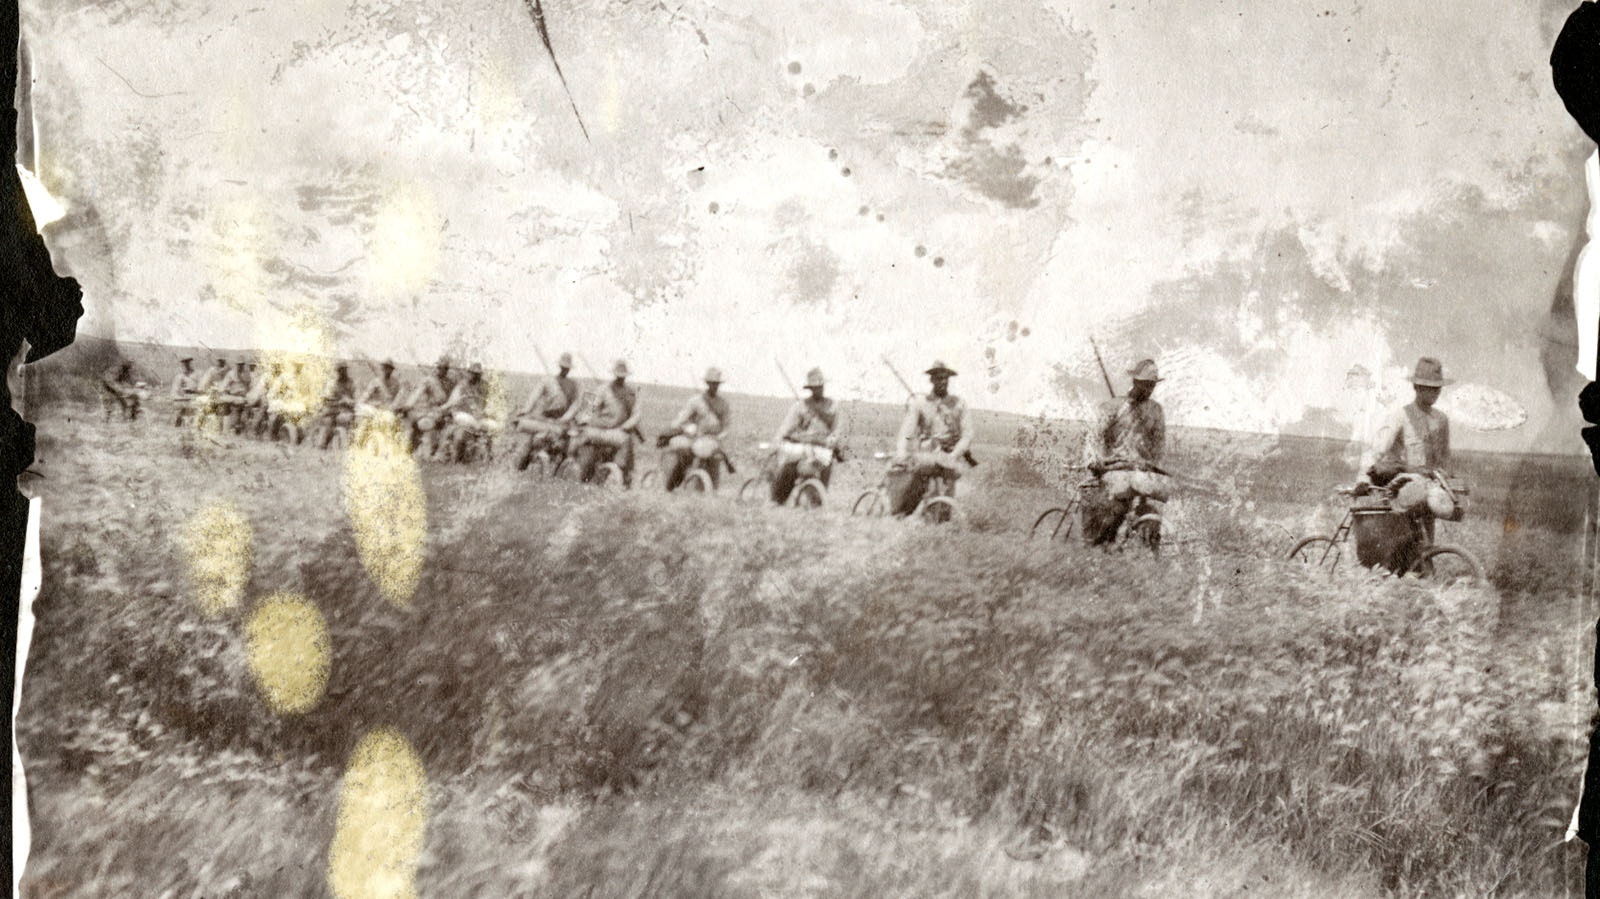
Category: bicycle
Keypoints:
(937, 506)
(1141, 526)
(706, 454)
(1388, 538)
(808, 492)
(607, 473)
(542, 452)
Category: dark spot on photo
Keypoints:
(938, 262)
(863, 211)
(845, 171)
(714, 207)
(920, 251)
(794, 68)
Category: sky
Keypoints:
(1283, 204)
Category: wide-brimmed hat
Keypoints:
(1145, 371)
(564, 360)
(185, 359)
(814, 378)
(713, 375)
(619, 369)
(475, 369)
(939, 368)
(444, 362)
(1429, 373)
(388, 363)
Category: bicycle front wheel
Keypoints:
(1448, 565)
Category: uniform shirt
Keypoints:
(469, 398)
(118, 382)
(1412, 438)
(382, 391)
(937, 423)
(709, 415)
(261, 387)
(184, 384)
(235, 383)
(606, 407)
(432, 393)
(552, 400)
(342, 395)
(283, 385)
(212, 378)
(809, 421)
(1126, 431)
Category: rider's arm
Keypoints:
(633, 416)
(964, 442)
(456, 399)
(571, 414)
(1444, 445)
(1158, 436)
(688, 414)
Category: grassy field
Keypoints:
(641, 695)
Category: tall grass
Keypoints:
(642, 695)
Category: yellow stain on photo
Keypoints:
(301, 342)
(289, 652)
(404, 244)
(388, 511)
(217, 546)
(383, 815)
(497, 399)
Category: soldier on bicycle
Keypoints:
(696, 432)
(375, 407)
(338, 406)
(806, 437)
(123, 392)
(425, 410)
(539, 419)
(934, 437)
(606, 422)
(1123, 452)
(1411, 451)
(466, 414)
(185, 387)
